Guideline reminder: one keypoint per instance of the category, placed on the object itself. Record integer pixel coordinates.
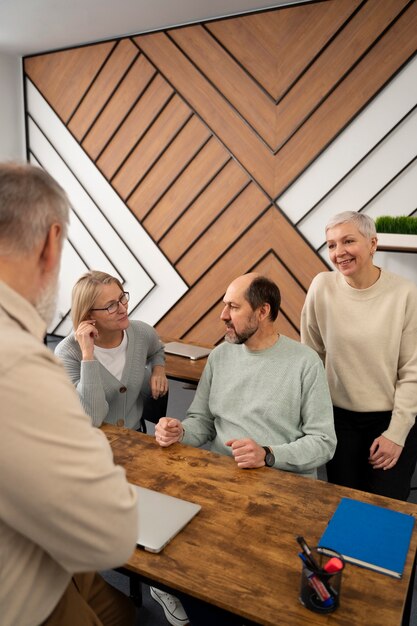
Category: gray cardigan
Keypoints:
(105, 398)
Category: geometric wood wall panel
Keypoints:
(228, 143)
(95, 239)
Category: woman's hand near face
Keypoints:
(159, 382)
(85, 334)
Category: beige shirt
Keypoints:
(368, 341)
(65, 507)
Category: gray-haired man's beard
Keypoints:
(47, 299)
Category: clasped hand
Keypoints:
(384, 453)
(246, 452)
(168, 430)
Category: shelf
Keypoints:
(391, 242)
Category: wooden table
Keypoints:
(182, 368)
(240, 552)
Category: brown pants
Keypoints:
(90, 601)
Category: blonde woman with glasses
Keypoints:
(116, 366)
(114, 363)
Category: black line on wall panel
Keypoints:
(142, 136)
(78, 253)
(318, 104)
(299, 233)
(126, 116)
(96, 75)
(176, 177)
(231, 245)
(379, 192)
(205, 230)
(202, 120)
(28, 79)
(230, 104)
(388, 183)
(343, 128)
(311, 62)
(129, 35)
(61, 321)
(112, 263)
(289, 271)
(25, 105)
(93, 202)
(191, 202)
(28, 115)
(115, 88)
(356, 165)
(217, 217)
(132, 306)
(219, 300)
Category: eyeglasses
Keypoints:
(114, 306)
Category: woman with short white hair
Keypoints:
(362, 321)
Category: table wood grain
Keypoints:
(183, 368)
(240, 552)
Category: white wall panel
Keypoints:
(103, 227)
(366, 180)
(358, 171)
(353, 144)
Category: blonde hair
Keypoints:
(85, 292)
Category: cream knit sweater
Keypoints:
(367, 339)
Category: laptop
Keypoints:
(186, 349)
(161, 518)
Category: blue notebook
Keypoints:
(369, 536)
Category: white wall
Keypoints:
(12, 144)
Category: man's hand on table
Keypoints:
(168, 430)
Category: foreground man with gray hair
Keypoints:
(66, 509)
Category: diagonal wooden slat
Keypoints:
(276, 47)
(64, 77)
(270, 232)
(176, 157)
(186, 188)
(135, 126)
(275, 123)
(118, 107)
(102, 88)
(152, 145)
(211, 107)
(224, 231)
(353, 93)
(220, 192)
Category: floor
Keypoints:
(151, 614)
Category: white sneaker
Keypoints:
(173, 609)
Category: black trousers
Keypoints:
(350, 466)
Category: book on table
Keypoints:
(369, 535)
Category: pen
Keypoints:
(308, 553)
(314, 581)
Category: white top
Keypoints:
(113, 359)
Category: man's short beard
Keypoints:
(239, 338)
(47, 299)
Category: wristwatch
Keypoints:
(269, 457)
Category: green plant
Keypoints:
(404, 225)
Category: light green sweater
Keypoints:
(368, 340)
(278, 397)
